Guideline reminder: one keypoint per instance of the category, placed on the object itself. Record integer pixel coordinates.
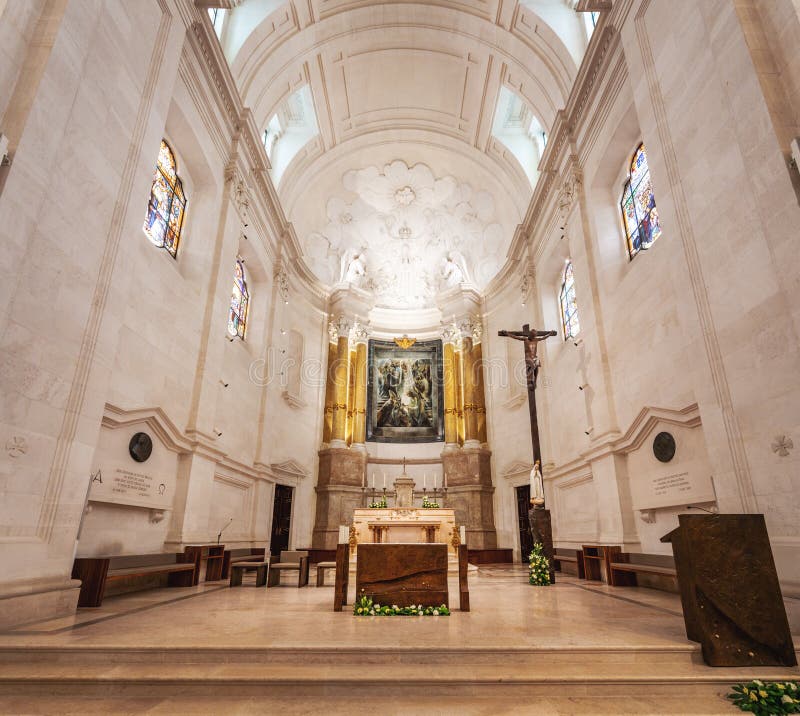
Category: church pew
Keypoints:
(569, 556)
(654, 570)
(244, 554)
(98, 573)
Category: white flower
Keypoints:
(436, 612)
(372, 613)
(786, 699)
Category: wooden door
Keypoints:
(281, 519)
(525, 539)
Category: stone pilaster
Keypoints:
(470, 493)
(341, 475)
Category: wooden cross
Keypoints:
(531, 340)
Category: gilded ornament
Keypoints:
(405, 342)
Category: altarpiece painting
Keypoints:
(404, 398)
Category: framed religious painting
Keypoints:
(404, 394)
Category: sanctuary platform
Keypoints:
(571, 648)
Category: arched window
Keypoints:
(167, 203)
(569, 309)
(638, 205)
(240, 300)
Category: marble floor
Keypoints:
(574, 647)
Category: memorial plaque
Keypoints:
(121, 476)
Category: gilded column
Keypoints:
(330, 384)
(458, 374)
(360, 337)
(351, 393)
(480, 393)
(451, 387)
(341, 379)
(470, 404)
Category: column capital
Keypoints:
(360, 333)
(340, 325)
(471, 327)
(451, 334)
(333, 332)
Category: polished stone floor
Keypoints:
(569, 642)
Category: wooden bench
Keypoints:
(569, 556)
(321, 567)
(293, 561)
(245, 554)
(239, 568)
(626, 566)
(97, 573)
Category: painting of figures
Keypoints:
(405, 392)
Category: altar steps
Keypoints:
(335, 674)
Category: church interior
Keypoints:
(476, 314)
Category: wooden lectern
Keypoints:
(732, 602)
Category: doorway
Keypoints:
(525, 539)
(281, 519)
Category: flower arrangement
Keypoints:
(366, 607)
(429, 504)
(379, 504)
(539, 569)
(774, 697)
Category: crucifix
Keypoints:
(538, 516)
(531, 340)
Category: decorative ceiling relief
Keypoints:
(407, 236)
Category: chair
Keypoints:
(289, 561)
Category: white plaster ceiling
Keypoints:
(404, 93)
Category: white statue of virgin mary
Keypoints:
(537, 486)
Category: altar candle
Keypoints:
(384, 480)
(462, 533)
(344, 534)
(373, 480)
(424, 480)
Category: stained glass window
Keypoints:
(167, 204)
(638, 205)
(569, 309)
(240, 301)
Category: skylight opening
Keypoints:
(520, 131)
(289, 130)
(217, 15)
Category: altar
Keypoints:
(404, 524)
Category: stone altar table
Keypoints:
(394, 525)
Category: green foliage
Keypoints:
(539, 569)
(366, 607)
(379, 504)
(429, 504)
(772, 697)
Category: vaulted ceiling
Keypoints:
(417, 83)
